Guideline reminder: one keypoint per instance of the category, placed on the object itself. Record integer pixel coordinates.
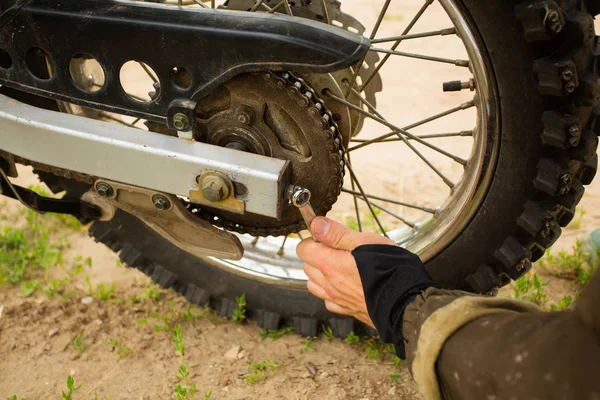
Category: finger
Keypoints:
(338, 236)
(315, 275)
(317, 290)
(336, 308)
(326, 259)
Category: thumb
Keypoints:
(338, 236)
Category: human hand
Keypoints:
(331, 268)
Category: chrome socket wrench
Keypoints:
(300, 198)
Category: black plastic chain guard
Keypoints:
(212, 45)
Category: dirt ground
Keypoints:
(43, 340)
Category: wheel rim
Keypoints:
(273, 260)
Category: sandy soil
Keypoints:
(36, 333)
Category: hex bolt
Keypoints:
(245, 115)
(181, 122)
(214, 188)
(104, 189)
(160, 202)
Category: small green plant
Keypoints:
(116, 345)
(378, 350)
(152, 293)
(530, 289)
(564, 303)
(102, 291)
(71, 388)
(239, 314)
(307, 345)
(78, 343)
(178, 339)
(80, 263)
(328, 332)
(352, 338)
(13, 397)
(258, 370)
(24, 252)
(395, 375)
(275, 334)
(573, 265)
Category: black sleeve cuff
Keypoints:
(391, 277)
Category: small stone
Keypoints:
(87, 300)
(392, 391)
(241, 354)
(232, 353)
(324, 375)
(52, 332)
(98, 321)
(147, 336)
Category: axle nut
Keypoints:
(214, 188)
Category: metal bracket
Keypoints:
(173, 221)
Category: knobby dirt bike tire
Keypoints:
(537, 183)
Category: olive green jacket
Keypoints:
(461, 346)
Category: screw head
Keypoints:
(214, 188)
(181, 122)
(160, 202)
(104, 189)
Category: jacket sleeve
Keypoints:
(464, 346)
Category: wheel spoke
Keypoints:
(147, 70)
(366, 199)
(288, 9)
(385, 210)
(258, 4)
(458, 63)
(400, 133)
(325, 12)
(372, 36)
(400, 203)
(200, 3)
(120, 121)
(396, 44)
(355, 200)
(441, 32)
(463, 106)
(277, 6)
(281, 251)
(429, 136)
(403, 134)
